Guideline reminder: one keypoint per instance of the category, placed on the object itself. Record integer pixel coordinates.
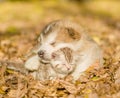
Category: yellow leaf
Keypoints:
(97, 39)
(86, 96)
(1, 91)
(95, 78)
(87, 91)
(9, 71)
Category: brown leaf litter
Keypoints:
(103, 82)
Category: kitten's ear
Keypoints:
(73, 34)
(68, 54)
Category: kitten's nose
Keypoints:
(41, 53)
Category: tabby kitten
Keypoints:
(62, 61)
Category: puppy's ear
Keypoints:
(73, 34)
(49, 28)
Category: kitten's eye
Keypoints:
(53, 43)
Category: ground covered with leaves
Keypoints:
(18, 35)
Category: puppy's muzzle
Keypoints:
(41, 53)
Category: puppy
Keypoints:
(67, 50)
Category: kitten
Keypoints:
(66, 48)
(62, 61)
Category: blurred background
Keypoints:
(22, 20)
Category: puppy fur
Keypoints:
(67, 48)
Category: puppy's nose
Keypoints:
(41, 53)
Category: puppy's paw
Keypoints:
(32, 63)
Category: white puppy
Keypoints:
(65, 49)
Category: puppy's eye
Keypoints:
(53, 43)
